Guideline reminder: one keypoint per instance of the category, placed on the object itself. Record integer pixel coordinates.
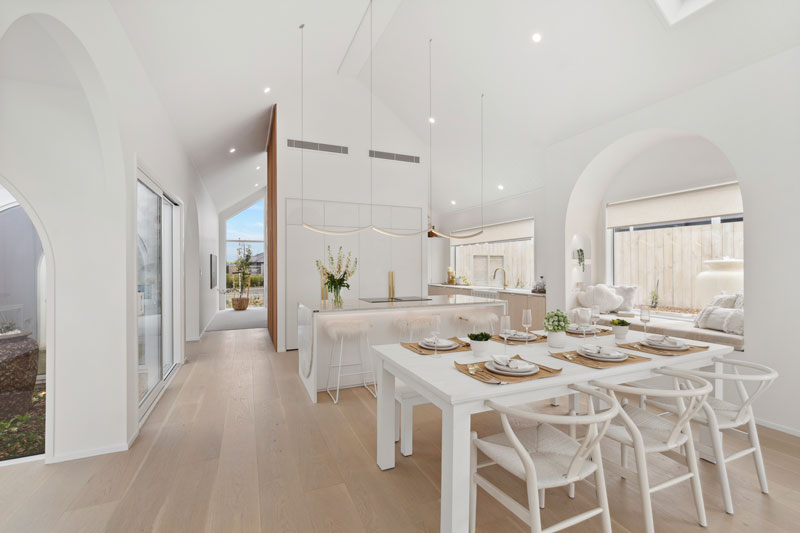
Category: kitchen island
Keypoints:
(315, 345)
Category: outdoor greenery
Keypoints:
(23, 435)
(480, 337)
(556, 321)
(654, 296)
(256, 280)
(243, 261)
(620, 322)
(7, 327)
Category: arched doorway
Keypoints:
(640, 190)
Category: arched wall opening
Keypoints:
(61, 158)
(645, 164)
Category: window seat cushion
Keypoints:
(680, 328)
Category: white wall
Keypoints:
(337, 112)
(753, 116)
(69, 149)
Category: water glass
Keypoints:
(436, 331)
(505, 330)
(644, 316)
(595, 318)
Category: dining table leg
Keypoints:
(386, 415)
(455, 469)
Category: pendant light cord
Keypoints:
(371, 146)
(302, 136)
(482, 178)
(430, 134)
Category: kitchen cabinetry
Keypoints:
(517, 302)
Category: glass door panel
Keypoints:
(168, 343)
(149, 290)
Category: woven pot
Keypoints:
(240, 304)
(19, 362)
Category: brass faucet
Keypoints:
(505, 276)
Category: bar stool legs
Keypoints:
(363, 371)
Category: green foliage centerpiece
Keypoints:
(555, 323)
(337, 272)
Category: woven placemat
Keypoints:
(575, 357)
(601, 332)
(487, 376)
(539, 338)
(416, 348)
(639, 347)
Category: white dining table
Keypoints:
(459, 396)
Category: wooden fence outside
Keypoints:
(673, 257)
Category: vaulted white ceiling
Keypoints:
(596, 61)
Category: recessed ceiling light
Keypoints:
(537, 37)
(452, 202)
(432, 120)
(256, 185)
(266, 90)
(500, 187)
(232, 150)
(258, 168)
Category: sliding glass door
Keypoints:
(156, 281)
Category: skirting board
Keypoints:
(88, 453)
(778, 427)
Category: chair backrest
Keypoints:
(689, 392)
(597, 425)
(484, 293)
(765, 377)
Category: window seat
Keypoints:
(680, 328)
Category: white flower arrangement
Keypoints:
(556, 321)
(337, 271)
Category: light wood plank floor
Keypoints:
(235, 445)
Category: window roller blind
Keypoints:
(709, 202)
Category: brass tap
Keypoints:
(505, 276)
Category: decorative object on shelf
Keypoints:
(451, 276)
(724, 274)
(337, 272)
(479, 343)
(244, 259)
(581, 260)
(323, 288)
(19, 361)
(555, 324)
(654, 296)
(540, 287)
(620, 328)
(391, 285)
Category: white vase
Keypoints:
(620, 332)
(723, 275)
(556, 339)
(480, 349)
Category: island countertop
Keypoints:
(350, 306)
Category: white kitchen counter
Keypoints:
(509, 290)
(315, 347)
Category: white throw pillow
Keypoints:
(628, 293)
(739, 304)
(728, 301)
(721, 319)
(602, 296)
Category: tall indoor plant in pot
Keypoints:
(244, 258)
(337, 272)
(555, 324)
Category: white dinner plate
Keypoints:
(518, 336)
(601, 357)
(450, 345)
(497, 369)
(580, 329)
(659, 346)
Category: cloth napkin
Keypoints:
(513, 364)
(601, 350)
(664, 339)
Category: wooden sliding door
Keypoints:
(272, 228)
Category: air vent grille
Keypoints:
(394, 157)
(320, 147)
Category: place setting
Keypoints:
(434, 345)
(664, 345)
(502, 370)
(596, 356)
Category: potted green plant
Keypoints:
(479, 342)
(555, 324)
(620, 328)
(337, 272)
(581, 260)
(654, 296)
(244, 259)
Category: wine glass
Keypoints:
(527, 322)
(644, 316)
(505, 328)
(595, 319)
(436, 330)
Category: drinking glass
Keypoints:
(527, 322)
(437, 328)
(595, 318)
(505, 328)
(644, 316)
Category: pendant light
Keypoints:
(303, 149)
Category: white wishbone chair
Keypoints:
(647, 432)
(545, 457)
(721, 417)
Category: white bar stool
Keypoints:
(339, 330)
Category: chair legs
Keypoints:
(600, 488)
(722, 469)
(644, 487)
(757, 457)
(697, 489)
(370, 387)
